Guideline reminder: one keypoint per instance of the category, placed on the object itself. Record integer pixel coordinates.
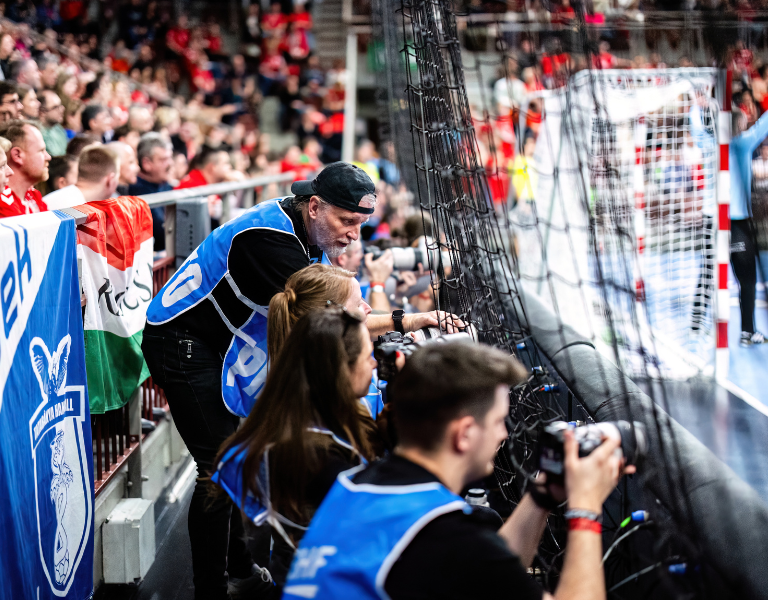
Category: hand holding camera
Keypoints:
(589, 480)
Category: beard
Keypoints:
(326, 239)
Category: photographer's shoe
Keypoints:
(259, 582)
(750, 339)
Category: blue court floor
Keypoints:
(748, 366)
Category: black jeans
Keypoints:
(743, 252)
(190, 374)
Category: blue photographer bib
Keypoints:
(229, 476)
(245, 363)
(358, 533)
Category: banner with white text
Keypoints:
(115, 247)
(46, 462)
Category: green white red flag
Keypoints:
(115, 248)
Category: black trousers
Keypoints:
(190, 374)
(743, 261)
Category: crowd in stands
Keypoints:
(177, 93)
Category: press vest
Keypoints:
(245, 362)
(358, 533)
(229, 476)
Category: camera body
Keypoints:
(408, 259)
(393, 342)
(404, 259)
(551, 451)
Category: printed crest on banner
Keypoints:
(62, 482)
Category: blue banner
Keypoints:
(46, 462)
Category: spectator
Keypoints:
(5, 169)
(177, 38)
(67, 87)
(48, 66)
(51, 116)
(97, 178)
(180, 166)
(10, 106)
(29, 162)
(128, 136)
(97, 121)
(25, 71)
(30, 105)
(509, 91)
(140, 119)
(62, 171)
(213, 166)
(274, 22)
(7, 44)
(80, 141)
(155, 156)
(129, 166)
(73, 117)
(365, 157)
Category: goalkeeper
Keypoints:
(398, 529)
(744, 142)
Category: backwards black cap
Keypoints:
(340, 184)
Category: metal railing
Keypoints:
(113, 442)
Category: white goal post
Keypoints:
(623, 235)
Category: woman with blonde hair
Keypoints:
(309, 289)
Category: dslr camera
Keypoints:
(551, 454)
(408, 259)
(393, 342)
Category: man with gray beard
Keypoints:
(205, 341)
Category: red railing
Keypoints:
(112, 440)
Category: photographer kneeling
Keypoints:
(399, 529)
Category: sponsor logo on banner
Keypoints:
(60, 456)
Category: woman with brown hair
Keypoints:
(305, 429)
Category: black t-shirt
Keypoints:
(456, 555)
(260, 262)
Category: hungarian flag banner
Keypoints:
(115, 246)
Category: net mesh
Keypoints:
(634, 208)
(560, 220)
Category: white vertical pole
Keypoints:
(350, 100)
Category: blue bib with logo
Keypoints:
(245, 363)
(229, 476)
(358, 533)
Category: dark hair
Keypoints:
(90, 112)
(15, 132)
(91, 87)
(204, 158)
(121, 131)
(59, 167)
(80, 141)
(443, 382)
(7, 88)
(308, 385)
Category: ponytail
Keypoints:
(306, 290)
(279, 321)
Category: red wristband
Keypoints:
(582, 524)
(375, 283)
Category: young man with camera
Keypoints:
(399, 528)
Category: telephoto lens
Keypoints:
(633, 438)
